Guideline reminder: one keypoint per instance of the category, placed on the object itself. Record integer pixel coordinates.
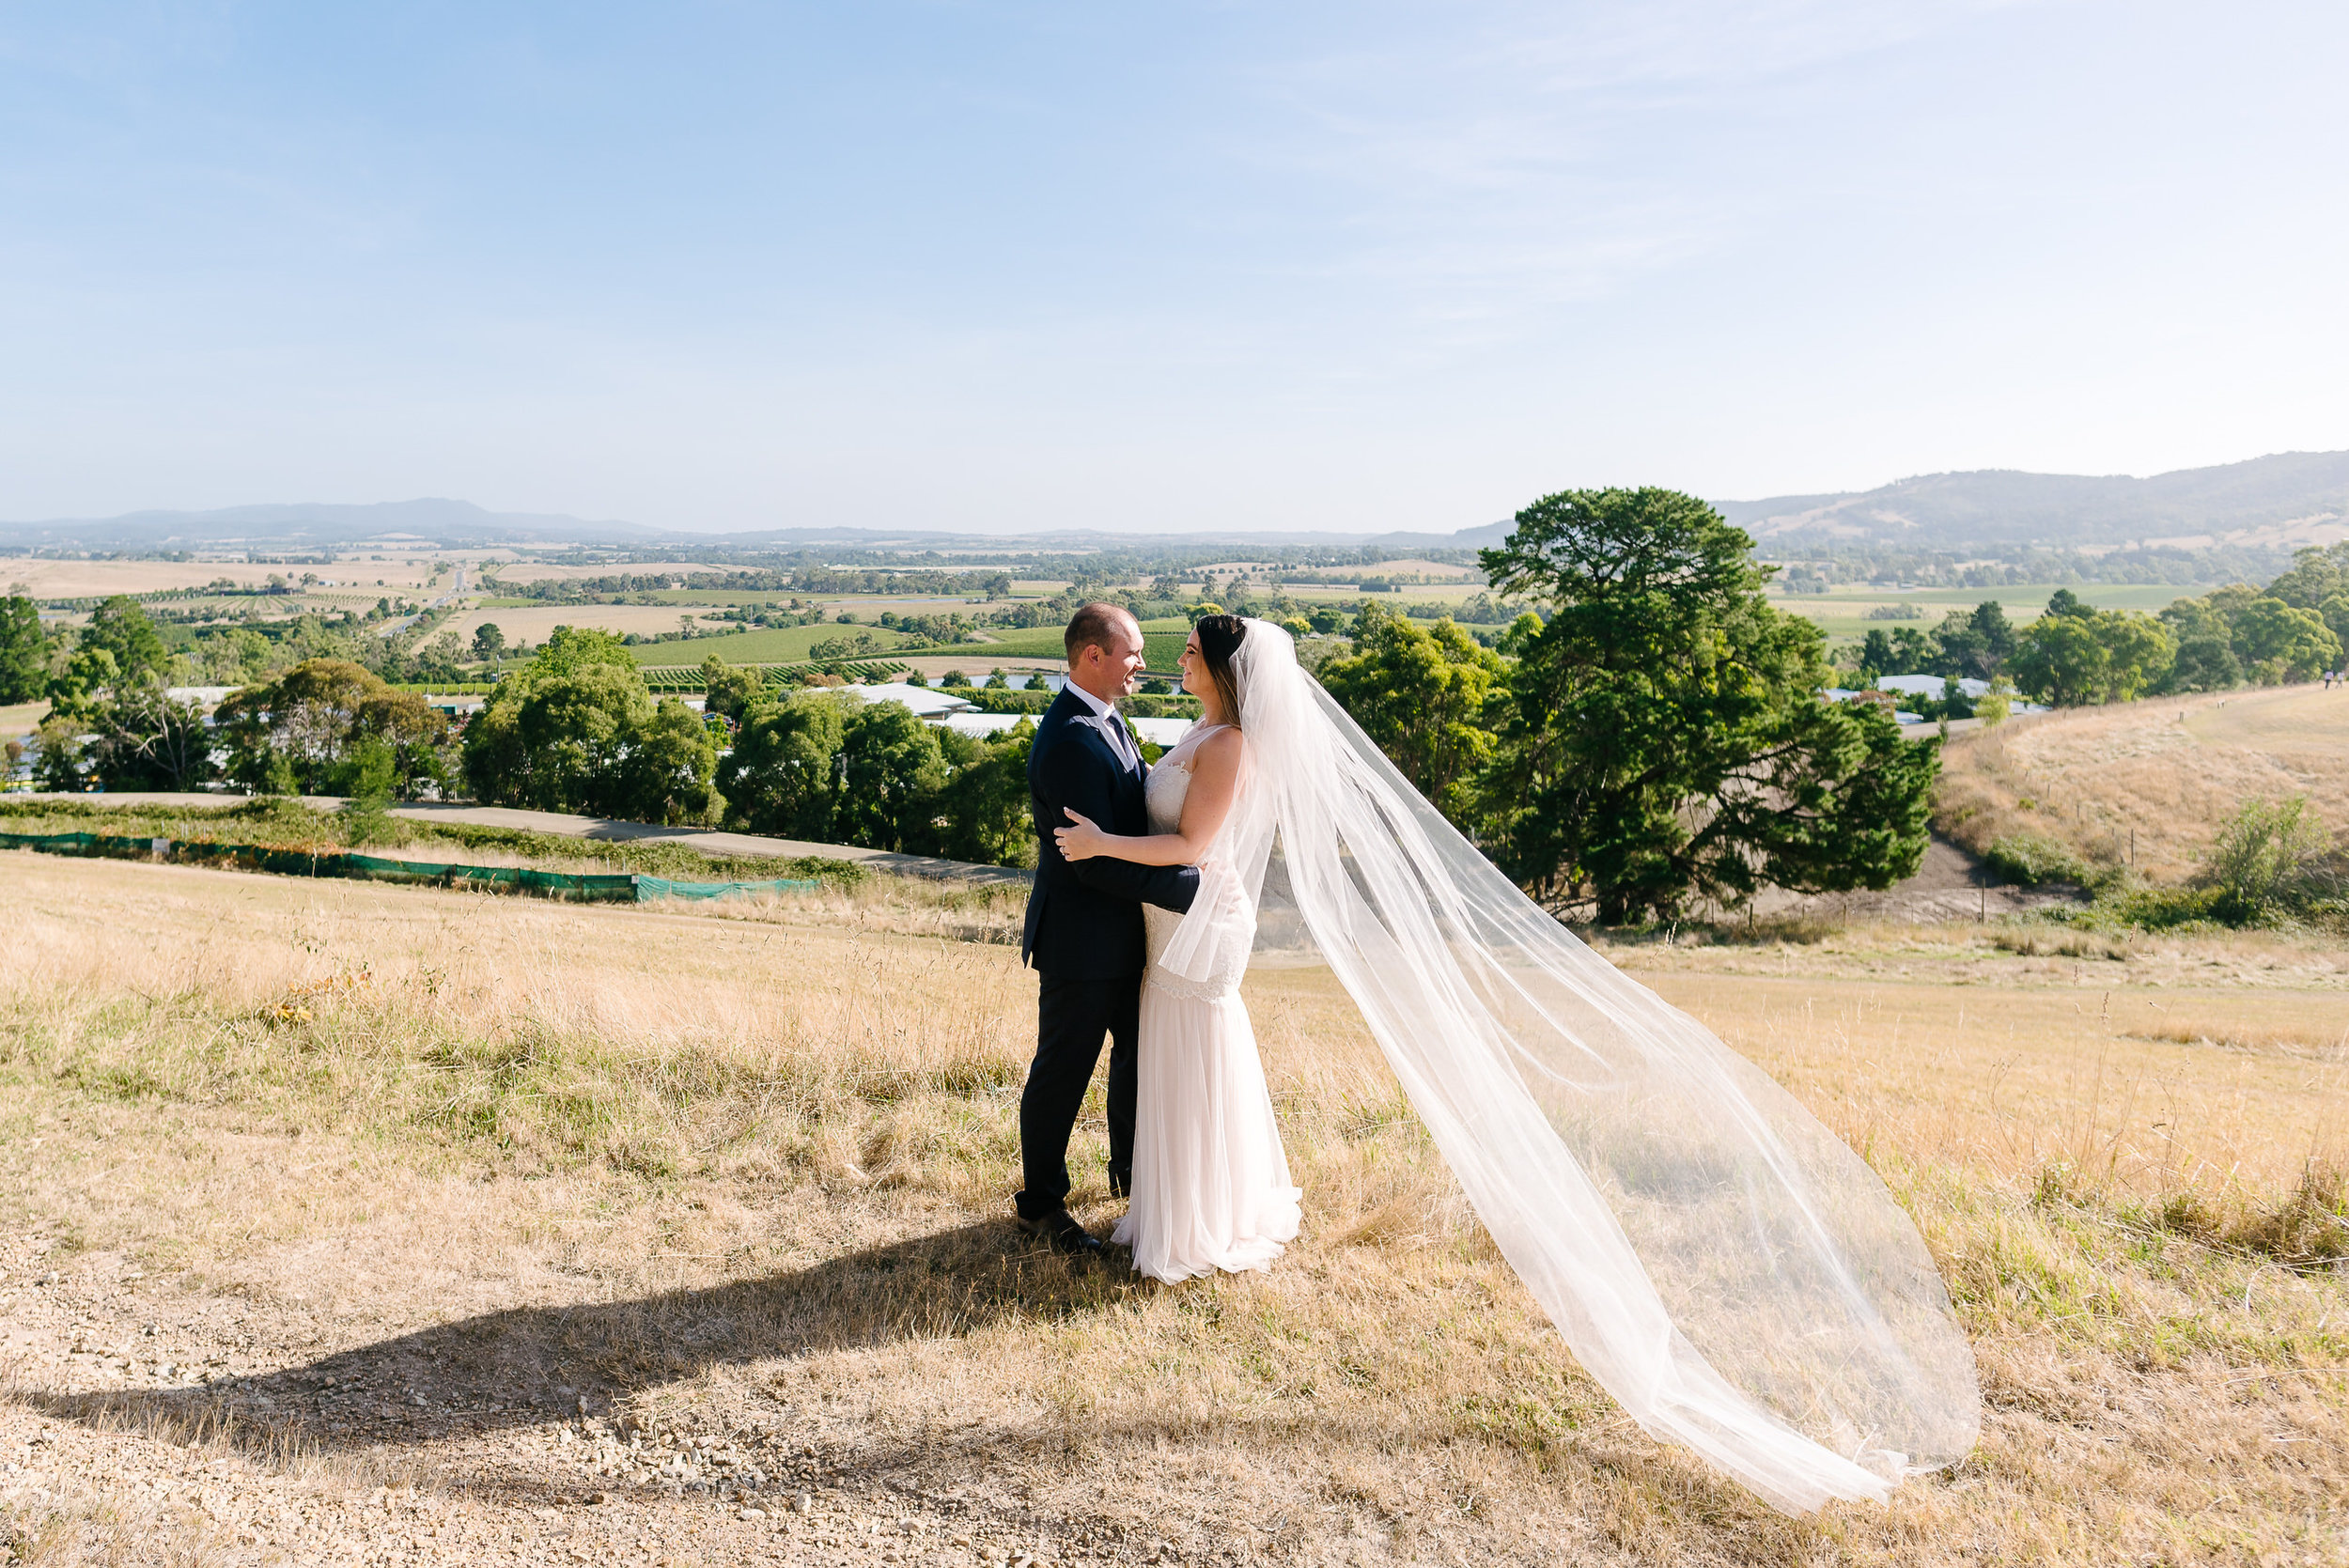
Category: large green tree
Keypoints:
(730, 690)
(985, 813)
(121, 628)
(320, 726)
(783, 776)
(892, 773)
(1973, 645)
(1666, 741)
(23, 652)
(143, 739)
(1428, 696)
(2283, 642)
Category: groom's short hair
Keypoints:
(1091, 627)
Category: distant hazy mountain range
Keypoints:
(2290, 498)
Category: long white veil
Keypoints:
(1724, 1266)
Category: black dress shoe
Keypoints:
(1064, 1235)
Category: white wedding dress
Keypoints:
(1717, 1258)
(1211, 1186)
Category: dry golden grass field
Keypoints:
(2161, 775)
(347, 1224)
(68, 578)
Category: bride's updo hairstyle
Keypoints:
(1220, 637)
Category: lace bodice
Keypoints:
(1162, 795)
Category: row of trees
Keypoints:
(577, 731)
(113, 721)
(36, 663)
(2293, 630)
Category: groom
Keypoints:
(1083, 931)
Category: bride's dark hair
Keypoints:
(1220, 637)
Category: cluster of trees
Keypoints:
(2294, 630)
(1651, 735)
(1969, 645)
(830, 767)
(37, 664)
(324, 725)
(261, 651)
(943, 630)
(329, 726)
(814, 579)
(576, 730)
(110, 714)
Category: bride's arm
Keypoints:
(1214, 778)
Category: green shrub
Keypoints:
(2273, 857)
(2030, 858)
(2159, 910)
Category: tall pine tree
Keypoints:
(23, 652)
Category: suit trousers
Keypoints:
(1073, 1013)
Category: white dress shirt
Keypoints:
(1105, 718)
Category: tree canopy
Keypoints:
(325, 726)
(23, 652)
(1664, 739)
(832, 768)
(1427, 695)
(576, 730)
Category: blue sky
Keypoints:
(1145, 267)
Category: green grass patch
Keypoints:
(2030, 859)
(787, 644)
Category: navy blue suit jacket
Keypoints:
(1085, 917)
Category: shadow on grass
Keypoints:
(531, 1365)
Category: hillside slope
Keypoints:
(2161, 776)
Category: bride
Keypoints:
(1738, 1280)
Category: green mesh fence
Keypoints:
(621, 888)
